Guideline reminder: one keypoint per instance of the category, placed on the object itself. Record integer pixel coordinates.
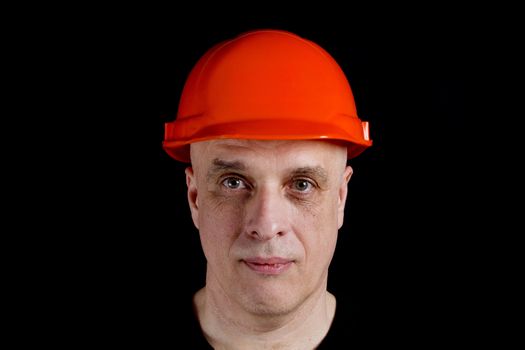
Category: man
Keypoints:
(268, 122)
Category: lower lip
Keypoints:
(269, 269)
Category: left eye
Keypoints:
(233, 183)
(302, 185)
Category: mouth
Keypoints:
(268, 266)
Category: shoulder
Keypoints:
(171, 325)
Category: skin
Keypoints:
(268, 214)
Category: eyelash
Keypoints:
(311, 185)
(244, 185)
(224, 182)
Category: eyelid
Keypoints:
(225, 177)
(307, 179)
(311, 182)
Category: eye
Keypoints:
(233, 183)
(302, 185)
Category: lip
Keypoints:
(268, 266)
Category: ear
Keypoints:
(191, 182)
(343, 191)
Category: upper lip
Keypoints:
(267, 261)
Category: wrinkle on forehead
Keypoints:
(203, 147)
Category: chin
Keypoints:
(271, 304)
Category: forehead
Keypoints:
(268, 151)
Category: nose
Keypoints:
(267, 214)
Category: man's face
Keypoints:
(268, 213)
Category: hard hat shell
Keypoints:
(266, 85)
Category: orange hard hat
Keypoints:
(266, 85)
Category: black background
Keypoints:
(401, 256)
(406, 258)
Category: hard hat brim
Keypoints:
(178, 138)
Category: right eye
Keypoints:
(233, 183)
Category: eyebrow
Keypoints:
(220, 165)
(315, 172)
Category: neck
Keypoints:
(227, 327)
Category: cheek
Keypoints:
(219, 222)
(319, 225)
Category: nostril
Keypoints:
(256, 235)
(265, 235)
